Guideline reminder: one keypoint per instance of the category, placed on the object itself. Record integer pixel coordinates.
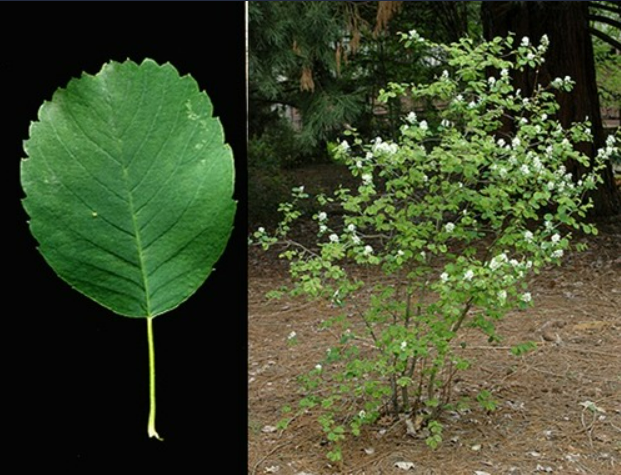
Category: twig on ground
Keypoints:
(267, 455)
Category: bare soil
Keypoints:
(542, 424)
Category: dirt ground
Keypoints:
(542, 424)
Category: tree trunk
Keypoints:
(570, 54)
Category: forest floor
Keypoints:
(559, 406)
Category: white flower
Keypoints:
(544, 117)
(501, 142)
(525, 170)
(558, 253)
(261, 230)
(444, 277)
(446, 123)
(334, 238)
(323, 228)
(368, 250)
(423, 125)
(472, 105)
(526, 297)
(292, 335)
(445, 74)
(449, 227)
(351, 228)
(362, 414)
(318, 367)
(322, 216)
(523, 121)
(400, 253)
(529, 264)
(545, 40)
(502, 295)
(356, 240)
(491, 80)
(528, 236)
(610, 141)
(301, 189)
(497, 261)
(416, 37)
(385, 147)
(556, 238)
(425, 178)
(404, 345)
(556, 83)
(459, 98)
(530, 56)
(469, 274)
(567, 79)
(514, 262)
(525, 41)
(358, 164)
(344, 146)
(411, 117)
(367, 179)
(516, 142)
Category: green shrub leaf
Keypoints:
(129, 186)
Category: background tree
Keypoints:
(571, 54)
(606, 31)
(327, 61)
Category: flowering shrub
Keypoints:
(455, 213)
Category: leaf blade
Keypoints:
(129, 186)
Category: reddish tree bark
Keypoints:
(570, 54)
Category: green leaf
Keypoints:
(129, 186)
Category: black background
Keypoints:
(76, 376)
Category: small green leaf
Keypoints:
(523, 348)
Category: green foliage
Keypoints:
(608, 65)
(484, 398)
(607, 59)
(293, 62)
(456, 214)
(269, 153)
(523, 348)
(435, 438)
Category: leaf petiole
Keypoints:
(151, 425)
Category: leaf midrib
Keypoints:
(130, 197)
(139, 249)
